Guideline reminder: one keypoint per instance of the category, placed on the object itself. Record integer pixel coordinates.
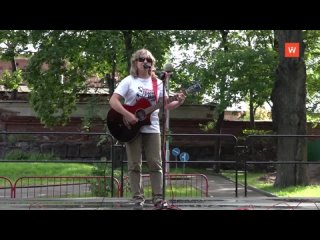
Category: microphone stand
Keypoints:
(163, 141)
(164, 77)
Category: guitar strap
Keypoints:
(155, 88)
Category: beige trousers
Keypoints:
(151, 144)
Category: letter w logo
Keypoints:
(292, 50)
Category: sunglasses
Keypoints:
(141, 59)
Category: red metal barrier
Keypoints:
(5, 186)
(64, 186)
(178, 185)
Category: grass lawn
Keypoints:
(14, 171)
(264, 182)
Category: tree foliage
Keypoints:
(66, 59)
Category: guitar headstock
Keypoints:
(193, 88)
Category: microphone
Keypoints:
(167, 71)
(146, 66)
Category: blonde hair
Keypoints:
(135, 56)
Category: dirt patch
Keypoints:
(313, 172)
(268, 178)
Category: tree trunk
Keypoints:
(252, 122)
(217, 150)
(14, 68)
(218, 127)
(111, 78)
(289, 112)
(127, 34)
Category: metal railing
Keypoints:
(251, 139)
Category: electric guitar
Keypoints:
(123, 131)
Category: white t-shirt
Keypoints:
(132, 89)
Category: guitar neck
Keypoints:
(159, 105)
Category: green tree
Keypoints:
(65, 59)
(312, 59)
(14, 44)
(232, 66)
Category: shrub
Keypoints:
(29, 156)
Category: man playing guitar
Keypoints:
(141, 86)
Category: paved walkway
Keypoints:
(221, 197)
(220, 186)
(240, 203)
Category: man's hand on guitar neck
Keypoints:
(181, 97)
(178, 100)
